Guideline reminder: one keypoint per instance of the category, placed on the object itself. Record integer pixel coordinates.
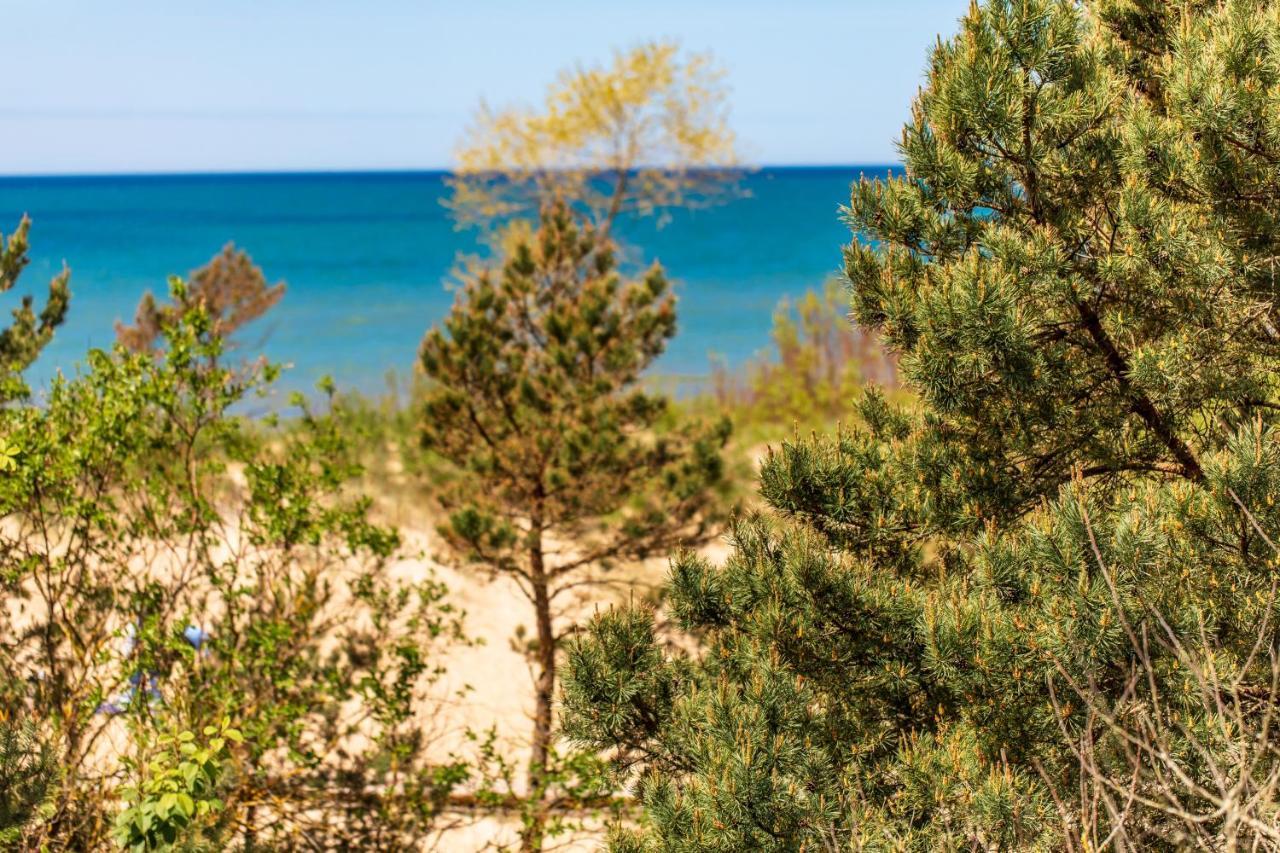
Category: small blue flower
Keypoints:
(195, 635)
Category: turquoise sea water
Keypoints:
(366, 258)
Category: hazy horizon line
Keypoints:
(338, 172)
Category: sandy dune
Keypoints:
(494, 679)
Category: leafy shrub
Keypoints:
(820, 362)
(175, 794)
(170, 567)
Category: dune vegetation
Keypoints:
(980, 553)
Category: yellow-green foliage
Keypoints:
(645, 134)
(172, 800)
(820, 361)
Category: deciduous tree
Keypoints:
(643, 135)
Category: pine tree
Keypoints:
(1032, 612)
(28, 778)
(29, 332)
(567, 464)
(232, 289)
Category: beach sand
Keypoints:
(494, 679)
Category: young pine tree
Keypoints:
(567, 463)
(28, 779)
(1033, 612)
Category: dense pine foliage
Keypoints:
(1036, 611)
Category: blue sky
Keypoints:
(216, 85)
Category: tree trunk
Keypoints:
(250, 829)
(532, 835)
(615, 204)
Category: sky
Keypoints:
(264, 85)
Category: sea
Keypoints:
(368, 261)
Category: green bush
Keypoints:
(174, 800)
(171, 567)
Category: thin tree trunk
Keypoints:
(250, 829)
(532, 835)
(615, 204)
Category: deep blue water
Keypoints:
(366, 258)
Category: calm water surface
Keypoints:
(367, 257)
